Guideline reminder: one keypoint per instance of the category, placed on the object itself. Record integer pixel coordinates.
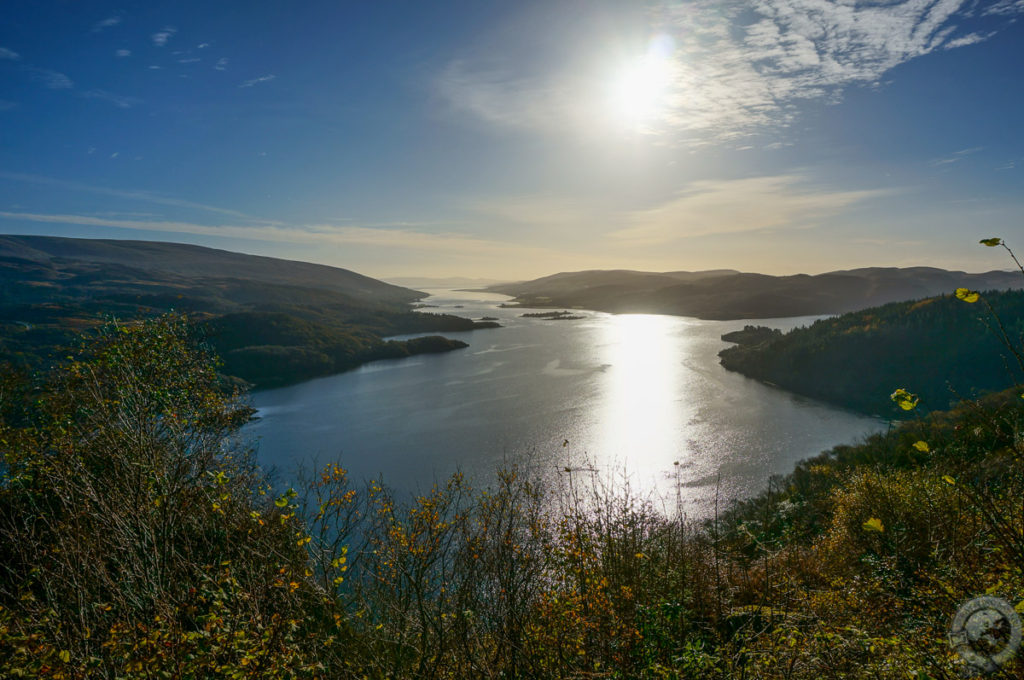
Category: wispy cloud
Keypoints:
(136, 195)
(313, 234)
(1005, 8)
(221, 65)
(123, 53)
(256, 81)
(53, 80)
(956, 156)
(9, 54)
(739, 205)
(106, 23)
(161, 37)
(737, 67)
(6, 105)
(189, 60)
(117, 100)
(498, 95)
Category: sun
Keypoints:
(638, 90)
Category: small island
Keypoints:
(563, 315)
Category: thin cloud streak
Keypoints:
(106, 23)
(9, 54)
(117, 100)
(310, 234)
(51, 80)
(255, 81)
(137, 195)
(735, 206)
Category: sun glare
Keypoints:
(638, 91)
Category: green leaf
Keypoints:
(949, 480)
(967, 295)
(991, 242)
(281, 502)
(874, 524)
(922, 446)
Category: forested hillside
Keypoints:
(941, 348)
(273, 321)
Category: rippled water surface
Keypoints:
(633, 394)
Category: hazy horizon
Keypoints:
(510, 141)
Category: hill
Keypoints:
(727, 294)
(940, 348)
(163, 260)
(274, 321)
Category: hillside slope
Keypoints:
(189, 261)
(274, 321)
(726, 294)
(940, 348)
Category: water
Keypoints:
(632, 394)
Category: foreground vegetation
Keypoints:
(135, 543)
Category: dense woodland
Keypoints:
(941, 348)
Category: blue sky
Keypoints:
(512, 140)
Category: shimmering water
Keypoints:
(632, 394)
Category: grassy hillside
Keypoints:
(274, 321)
(726, 294)
(162, 261)
(941, 348)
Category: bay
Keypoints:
(637, 397)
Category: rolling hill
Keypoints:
(273, 321)
(728, 294)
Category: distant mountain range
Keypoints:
(728, 294)
(273, 321)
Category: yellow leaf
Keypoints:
(948, 480)
(65, 656)
(922, 446)
(991, 242)
(905, 400)
(1020, 607)
(874, 524)
(967, 295)
(281, 502)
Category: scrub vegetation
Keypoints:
(136, 541)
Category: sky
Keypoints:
(511, 140)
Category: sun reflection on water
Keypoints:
(643, 417)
